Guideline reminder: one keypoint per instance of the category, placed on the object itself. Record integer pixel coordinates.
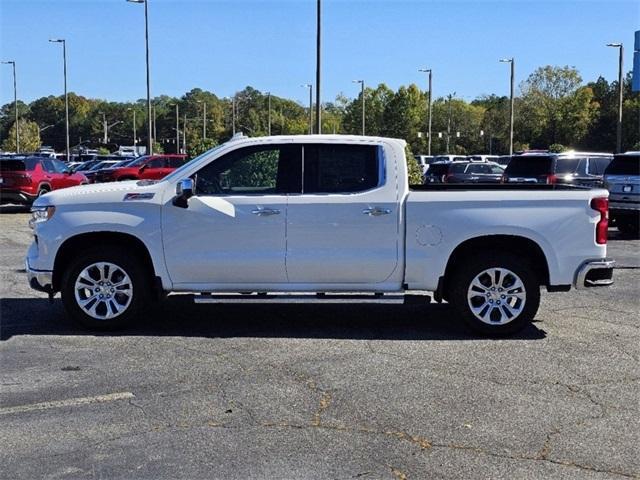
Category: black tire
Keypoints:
(131, 305)
(470, 268)
(42, 191)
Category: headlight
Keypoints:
(41, 214)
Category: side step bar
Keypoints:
(386, 298)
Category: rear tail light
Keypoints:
(445, 178)
(601, 204)
(551, 179)
(23, 179)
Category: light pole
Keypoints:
(135, 138)
(269, 113)
(512, 62)
(66, 98)
(428, 70)
(146, 40)
(310, 87)
(15, 103)
(155, 132)
(361, 82)
(318, 69)
(620, 91)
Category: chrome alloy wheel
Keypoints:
(496, 296)
(103, 290)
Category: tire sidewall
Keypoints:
(132, 267)
(464, 275)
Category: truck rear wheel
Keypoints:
(495, 294)
(104, 289)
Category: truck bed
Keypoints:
(438, 187)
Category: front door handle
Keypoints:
(265, 212)
(376, 211)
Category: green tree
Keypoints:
(413, 169)
(555, 107)
(29, 137)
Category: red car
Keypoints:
(22, 180)
(150, 167)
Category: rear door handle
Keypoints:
(376, 211)
(265, 212)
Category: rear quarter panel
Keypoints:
(560, 222)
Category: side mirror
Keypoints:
(184, 191)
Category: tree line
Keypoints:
(553, 108)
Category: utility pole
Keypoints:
(318, 68)
(450, 96)
(310, 87)
(269, 113)
(155, 133)
(428, 70)
(15, 103)
(104, 128)
(233, 114)
(184, 134)
(512, 62)
(66, 98)
(135, 137)
(620, 93)
(177, 128)
(361, 82)
(204, 119)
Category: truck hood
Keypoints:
(145, 191)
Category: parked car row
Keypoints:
(425, 161)
(24, 178)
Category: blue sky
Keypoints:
(222, 46)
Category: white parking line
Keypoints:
(71, 402)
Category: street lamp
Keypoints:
(318, 68)
(66, 99)
(146, 40)
(428, 70)
(204, 118)
(512, 62)
(361, 82)
(135, 138)
(15, 102)
(310, 87)
(106, 127)
(619, 126)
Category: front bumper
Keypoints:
(595, 273)
(16, 196)
(39, 280)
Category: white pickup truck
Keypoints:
(312, 218)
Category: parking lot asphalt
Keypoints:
(293, 391)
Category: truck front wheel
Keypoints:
(104, 288)
(495, 294)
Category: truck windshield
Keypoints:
(624, 165)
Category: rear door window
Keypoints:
(340, 168)
(597, 165)
(529, 166)
(175, 162)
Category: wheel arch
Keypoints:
(518, 245)
(71, 246)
